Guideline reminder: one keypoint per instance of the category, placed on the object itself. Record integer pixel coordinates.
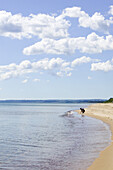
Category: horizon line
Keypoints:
(53, 99)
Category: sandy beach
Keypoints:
(103, 112)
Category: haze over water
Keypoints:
(37, 136)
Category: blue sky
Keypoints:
(56, 49)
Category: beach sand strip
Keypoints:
(103, 112)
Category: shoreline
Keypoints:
(103, 112)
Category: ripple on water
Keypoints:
(38, 137)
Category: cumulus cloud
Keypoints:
(50, 46)
(81, 60)
(102, 66)
(54, 66)
(25, 81)
(111, 10)
(96, 22)
(40, 25)
(36, 80)
(50, 26)
(91, 44)
(25, 67)
(73, 12)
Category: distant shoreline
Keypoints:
(54, 101)
(103, 112)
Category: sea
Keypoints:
(43, 136)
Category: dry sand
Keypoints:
(103, 112)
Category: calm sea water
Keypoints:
(38, 137)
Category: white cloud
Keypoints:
(50, 46)
(25, 81)
(40, 25)
(25, 67)
(74, 12)
(97, 22)
(89, 78)
(111, 10)
(50, 26)
(54, 66)
(81, 60)
(36, 80)
(91, 44)
(102, 66)
(69, 74)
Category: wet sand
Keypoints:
(103, 112)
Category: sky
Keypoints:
(61, 49)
